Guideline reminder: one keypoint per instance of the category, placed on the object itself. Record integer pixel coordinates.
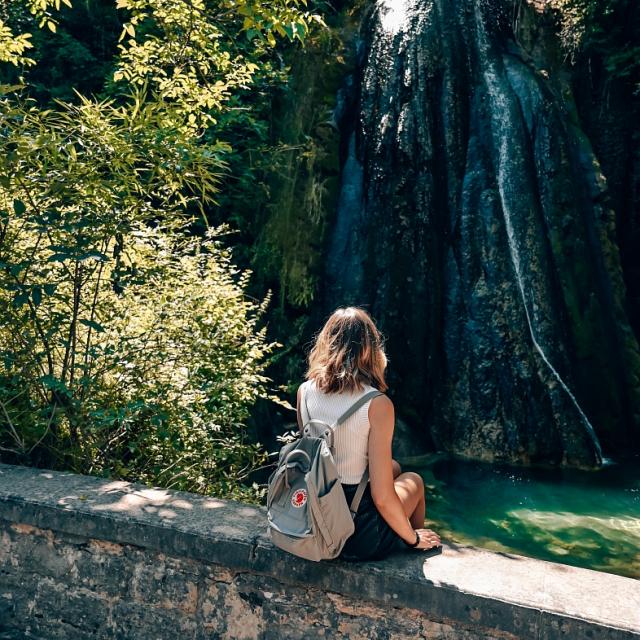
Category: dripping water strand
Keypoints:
(498, 102)
(516, 264)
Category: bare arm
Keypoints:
(382, 419)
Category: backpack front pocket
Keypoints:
(290, 508)
(333, 517)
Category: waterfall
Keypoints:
(501, 124)
(345, 271)
(496, 290)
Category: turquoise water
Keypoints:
(583, 518)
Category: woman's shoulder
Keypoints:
(305, 387)
(381, 404)
(369, 387)
(306, 384)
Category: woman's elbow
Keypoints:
(381, 499)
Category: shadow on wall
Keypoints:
(128, 501)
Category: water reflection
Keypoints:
(587, 519)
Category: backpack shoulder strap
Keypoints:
(355, 501)
(356, 405)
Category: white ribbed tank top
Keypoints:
(351, 438)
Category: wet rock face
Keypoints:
(474, 224)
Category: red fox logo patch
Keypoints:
(299, 498)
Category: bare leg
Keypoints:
(397, 469)
(410, 489)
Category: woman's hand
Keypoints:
(428, 539)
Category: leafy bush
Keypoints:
(127, 346)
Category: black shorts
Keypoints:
(373, 538)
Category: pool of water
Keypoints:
(584, 518)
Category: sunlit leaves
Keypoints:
(191, 349)
(185, 51)
(121, 332)
(128, 347)
(13, 46)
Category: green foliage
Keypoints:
(79, 57)
(128, 347)
(298, 204)
(13, 47)
(608, 28)
(304, 173)
(184, 52)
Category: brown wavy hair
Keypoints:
(348, 351)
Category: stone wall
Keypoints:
(84, 558)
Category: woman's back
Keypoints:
(348, 350)
(351, 437)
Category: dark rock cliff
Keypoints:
(475, 223)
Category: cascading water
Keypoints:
(502, 122)
(345, 253)
(459, 228)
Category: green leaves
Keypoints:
(133, 343)
(127, 346)
(23, 293)
(59, 257)
(12, 46)
(51, 383)
(92, 325)
(36, 295)
(152, 383)
(13, 268)
(188, 53)
(20, 298)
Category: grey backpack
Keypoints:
(307, 510)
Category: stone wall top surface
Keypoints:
(465, 584)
